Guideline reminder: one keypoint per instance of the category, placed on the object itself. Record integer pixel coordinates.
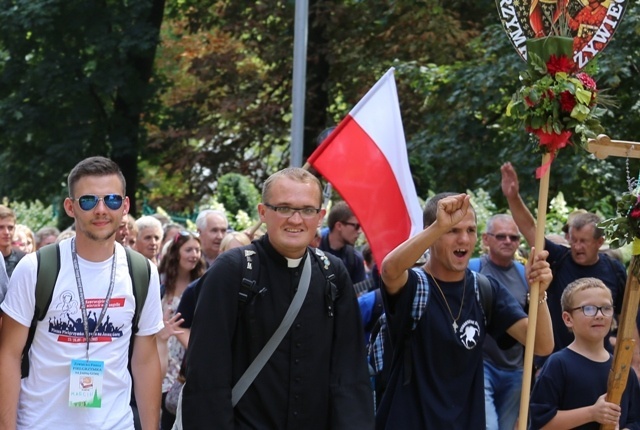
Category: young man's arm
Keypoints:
(12, 340)
(537, 271)
(145, 368)
(396, 264)
(521, 214)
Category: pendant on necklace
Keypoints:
(455, 327)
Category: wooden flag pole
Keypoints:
(534, 296)
(602, 147)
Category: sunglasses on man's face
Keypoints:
(90, 201)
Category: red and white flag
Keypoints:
(365, 159)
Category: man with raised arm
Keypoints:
(436, 379)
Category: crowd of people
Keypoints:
(269, 328)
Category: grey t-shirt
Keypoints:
(511, 358)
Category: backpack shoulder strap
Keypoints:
(140, 273)
(475, 264)
(249, 287)
(48, 262)
(421, 298)
(520, 268)
(484, 295)
(331, 289)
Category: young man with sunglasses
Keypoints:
(344, 231)
(317, 378)
(78, 375)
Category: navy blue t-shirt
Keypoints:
(446, 385)
(569, 381)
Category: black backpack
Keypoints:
(249, 287)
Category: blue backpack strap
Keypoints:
(475, 265)
(520, 268)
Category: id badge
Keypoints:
(85, 383)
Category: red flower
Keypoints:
(567, 101)
(635, 212)
(559, 64)
(587, 81)
(528, 101)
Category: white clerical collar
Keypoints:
(293, 262)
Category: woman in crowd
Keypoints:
(23, 239)
(182, 264)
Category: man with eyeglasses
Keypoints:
(344, 231)
(502, 367)
(583, 260)
(317, 377)
(78, 375)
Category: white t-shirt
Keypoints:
(60, 338)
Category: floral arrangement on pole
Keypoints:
(557, 102)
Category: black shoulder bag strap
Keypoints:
(258, 363)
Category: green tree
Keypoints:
(236, 192)
(74, 81)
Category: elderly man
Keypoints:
(582, 260)
(502, 367)
(317, 378)
(149, 237)
(212, 226)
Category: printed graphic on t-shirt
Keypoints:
(470, 333)
(67, 323)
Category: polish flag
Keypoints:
(365, 159)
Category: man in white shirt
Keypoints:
(82, 344)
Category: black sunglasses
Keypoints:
(90, 201)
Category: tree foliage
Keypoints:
(224, 106)
(73, 83)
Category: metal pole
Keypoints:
(299, 81)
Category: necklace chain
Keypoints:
(464, 288)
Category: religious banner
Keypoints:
(558, 102)
(591, 23)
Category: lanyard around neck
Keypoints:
(83, 304)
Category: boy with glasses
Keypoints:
(78, 375)
(570, 391)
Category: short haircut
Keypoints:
(45, 232)
(496, 218)
(295, 174)
(148, 221)
(584, 219)
(431, 208)
(201, 220)
(340, 212)
(94, 166)
(578, 285)
(6, 212)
